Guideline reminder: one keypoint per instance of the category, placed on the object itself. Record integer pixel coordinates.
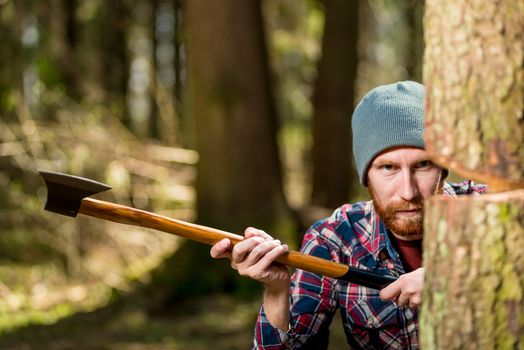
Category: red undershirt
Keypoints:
(410, 252)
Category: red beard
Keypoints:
(403, 227)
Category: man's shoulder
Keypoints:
(347, 212)
(466, 187)
(343, 230)
(347, 220)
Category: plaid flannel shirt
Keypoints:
(353, 235)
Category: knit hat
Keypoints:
(388, 116)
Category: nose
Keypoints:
(408, 187)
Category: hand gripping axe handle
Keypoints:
(69, 195)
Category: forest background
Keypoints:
(226, 113)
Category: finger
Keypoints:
(403, 299)
(270, 257)
(254, 232)
(260, 251)
(243, 248)
(390, 292)
(221, 249)
(415, 301)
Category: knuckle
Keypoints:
(262, 247)
(258, 251)
(410, 290)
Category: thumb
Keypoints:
(221, 249)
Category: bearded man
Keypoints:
(383, 235)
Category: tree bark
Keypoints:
(333, 103)
(474, 292)
(474, 76)
(475, 93)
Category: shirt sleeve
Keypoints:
(313, 303)
(268, 337)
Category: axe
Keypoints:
(69, 195)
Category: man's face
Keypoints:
(399, 180)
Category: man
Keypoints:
(383, 235)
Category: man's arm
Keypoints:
(312, 300)
(276, 306)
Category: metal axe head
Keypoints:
(65, 192)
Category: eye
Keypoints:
(425, 164)
(387, 167)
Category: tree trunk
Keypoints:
(474, 292)
(333, 103)
(413, 55)
(179, 66)
(239, 178)
(475, 105)
(64, 26)
(478, 303)
(238, 181)
(114, 54)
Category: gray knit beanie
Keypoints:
(388, 116)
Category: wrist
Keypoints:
(276, 289)
(276, 306)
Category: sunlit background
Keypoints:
(100, 89)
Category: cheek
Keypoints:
(376, 192)
(428, 184)
(384, 196)
(386, 191)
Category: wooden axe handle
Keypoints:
(136, 217)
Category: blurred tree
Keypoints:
(415, 44)
(156, 84)
(333, 103)
(474, 74)
(65, 29)
(235, 125)
(165, 79)
(12, 57)
(179, 58)
(235, 119)
(113, 37)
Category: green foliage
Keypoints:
(49, 73)
(92, 255)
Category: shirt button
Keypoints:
(373, 321)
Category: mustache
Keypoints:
(405, 205)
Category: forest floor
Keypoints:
(219, 322)
(40, 312)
